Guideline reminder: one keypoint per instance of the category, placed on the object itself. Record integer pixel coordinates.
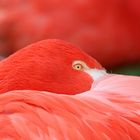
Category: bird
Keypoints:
(53, 90)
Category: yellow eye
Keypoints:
(78, 67)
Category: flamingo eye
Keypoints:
(78, 67)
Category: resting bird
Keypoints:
(51, 90)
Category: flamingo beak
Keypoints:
(96, 73)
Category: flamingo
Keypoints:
(39, 100)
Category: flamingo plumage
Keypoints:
(108, 109)
(100, 114)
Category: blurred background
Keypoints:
(109, 30)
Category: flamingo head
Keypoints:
(52, 65)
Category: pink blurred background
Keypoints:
(109, 30)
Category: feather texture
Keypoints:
(109, 111)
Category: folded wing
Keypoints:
(91, 115)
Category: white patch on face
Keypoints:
(96, 73)
(93, 72)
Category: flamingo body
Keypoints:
(86, 103)
(107, 111)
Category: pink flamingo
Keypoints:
(51, 90)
